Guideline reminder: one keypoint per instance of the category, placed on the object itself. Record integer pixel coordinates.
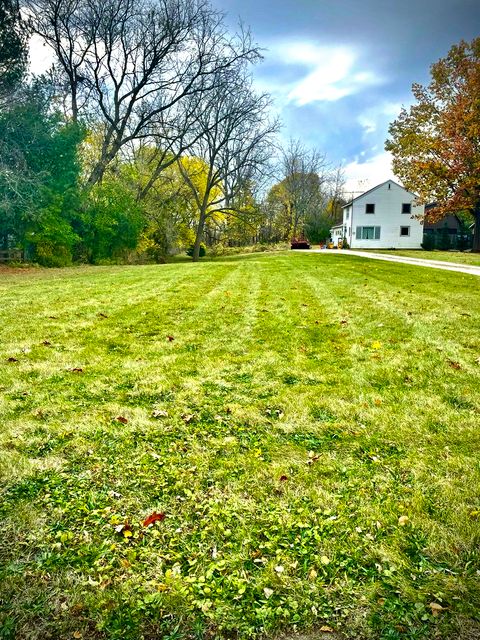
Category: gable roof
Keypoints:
(373, 189)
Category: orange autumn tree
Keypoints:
(436, 143)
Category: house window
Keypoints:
(406, 207)
(368, 233)
(347, 213)
(404, 231)
(370, 208)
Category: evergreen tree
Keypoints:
(13, 50)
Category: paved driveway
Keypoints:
(420, 262)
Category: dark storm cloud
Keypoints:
(376, 49)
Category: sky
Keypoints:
(340, 70)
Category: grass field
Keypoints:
(303, 430)
(445, 256)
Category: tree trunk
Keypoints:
(198, 237)
(476, 230)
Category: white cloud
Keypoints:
(331, 72)
(41, 56)
(376, 117)
(361, 176)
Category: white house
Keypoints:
(382, 218)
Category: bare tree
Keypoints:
(130, 64)
(305, 174)
(231, 140)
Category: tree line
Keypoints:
(145, 137)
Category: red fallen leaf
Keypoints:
(11, 359)
(170, 338)
(343, 321)
(153, 517)
(46, 343)
(121, 419)
(102, 315)
(283, 478)
(76, 370)
(53, 317)
(454, 365)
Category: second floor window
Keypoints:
(406, 207)
(370, 208)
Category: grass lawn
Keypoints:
(445, 256)
(303, 430)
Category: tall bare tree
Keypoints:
(130, 64)
(305, 174)
(232, 138)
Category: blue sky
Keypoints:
(341, 70)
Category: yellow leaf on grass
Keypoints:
(403, 520)
(376, 345)
(325, 560)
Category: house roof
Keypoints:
(373, 189)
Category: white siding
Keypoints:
(388, 199)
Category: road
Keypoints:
(419, 262)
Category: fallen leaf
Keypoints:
(376, 345)
(153, 517)
(454, 365)
(326, 629)
(325, 560)
(159, 413)
(77, 370)
(283, 478)
(403, 520)
(11, 359)
(170, 338)
(312, 574)
(46, 343)
(343, 321)
(279, 568)
(77, 634)
(121, 419)
(268, 592)
(187, 417)
(436, 608)
(102, 315)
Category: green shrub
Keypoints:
(203, 250)
(428, 242)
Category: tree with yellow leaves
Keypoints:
(436, 143)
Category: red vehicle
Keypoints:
(299, 243)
